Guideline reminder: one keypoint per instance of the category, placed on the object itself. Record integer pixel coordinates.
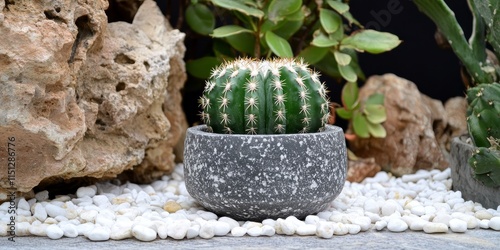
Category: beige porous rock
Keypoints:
(84, 98)
(410, 143)
(359, 169)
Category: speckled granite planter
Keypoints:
(463, 179)
(254, 177)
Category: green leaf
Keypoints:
(243, 42)
(222, 49)
(313, 54)
(341, 58)
(278, 45)
(348, 73)
(351, 19)
(278, 9)
(229, 30)
(375, 98)
(372, 41)
(340, 7)
(200, 19)
(202, 67)
(238, 6)
(350, 94)
(376, 130)
(375, 113)
(359, 124)
(323, 40)
(288, 29)
(344, 113)
(330, 21)
(328, 66)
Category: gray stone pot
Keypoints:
(254, 177)
(463, 179)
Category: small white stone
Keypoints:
(340, 229)
(442, 218)
(381, 224)
(325, 215)
(254, 231)
(37, 230)
(221, 228)
(353, 229)
(312, 219)
(232, 222)
(178, 229)
(39, 212)
(380, 177)
(442, 175)
(22, 228)
(143, 233)
(432, 227)
(286, 227)
(268, 230)
(207, 231)
(483, 215)
(397, 225)
(472, 221)
(307, 229)
(42, 195)
(120, 232)
(208, 215)
(269, 222)
(101, 201)
(418, 210)
(53, 210)
(415, 177)
(454, 201)
(162, 231)
(23, 204)
(193, 231)
(238, 231)
(54, 232)
(324, 229)
(363, 221)
(458, 226)
(371, 206)
(84, 228)
(104, 221)
(98, 234)
(389, 207)
(494, 223)
(89, 215)
(484, 224)
(85, 191)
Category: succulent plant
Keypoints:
(483, 120)
(276, 96)
(483, 112)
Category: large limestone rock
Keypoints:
(84, 98)
(410, 143)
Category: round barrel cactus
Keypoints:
(278, 96)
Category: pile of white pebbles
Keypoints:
(164, 209)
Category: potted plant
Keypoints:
(266, 150)
(476, 165)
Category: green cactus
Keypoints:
(483, 120)
(278, 96)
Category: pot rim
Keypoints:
(202, 130)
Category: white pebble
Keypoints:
(238, 231)
(458, 226)
(324, 229)
(307, 229)
(362, 221)
(389, 207)
(340, 229)
(84, 228)
(397, 225)
(484, 224)
(381, 224)
(418, 224)
(98, 234)
(371, 206)
(415, 177)
(207, 231)
(494, 223)
(143, 233)
(101, 201)
(208, 215)
(285, 227)
(85, 191)
(442, 175)
(178, 229)
(38, 230)
(268, 230)
(442, 218)
(42, 195)
(39, 212)
(418, 210)
(193, 231)
(53, 210)
(54, 232)
(221, 228)
(312, 219)
(230, 221)
(23, 204)
(432, 227)
(353, 229)
(254, 231)
(483, 215)
(269, 222)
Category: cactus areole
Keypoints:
(279, 96)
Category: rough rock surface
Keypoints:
(359, 169)
(84, 98)
(410, 143)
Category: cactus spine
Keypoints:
(264, 97)
(483, 120)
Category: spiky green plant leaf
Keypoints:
(371, 41)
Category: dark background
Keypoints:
(435, 71)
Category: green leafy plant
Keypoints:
(264, 97)
(367, 117)
(483, 113)
(323, 33)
